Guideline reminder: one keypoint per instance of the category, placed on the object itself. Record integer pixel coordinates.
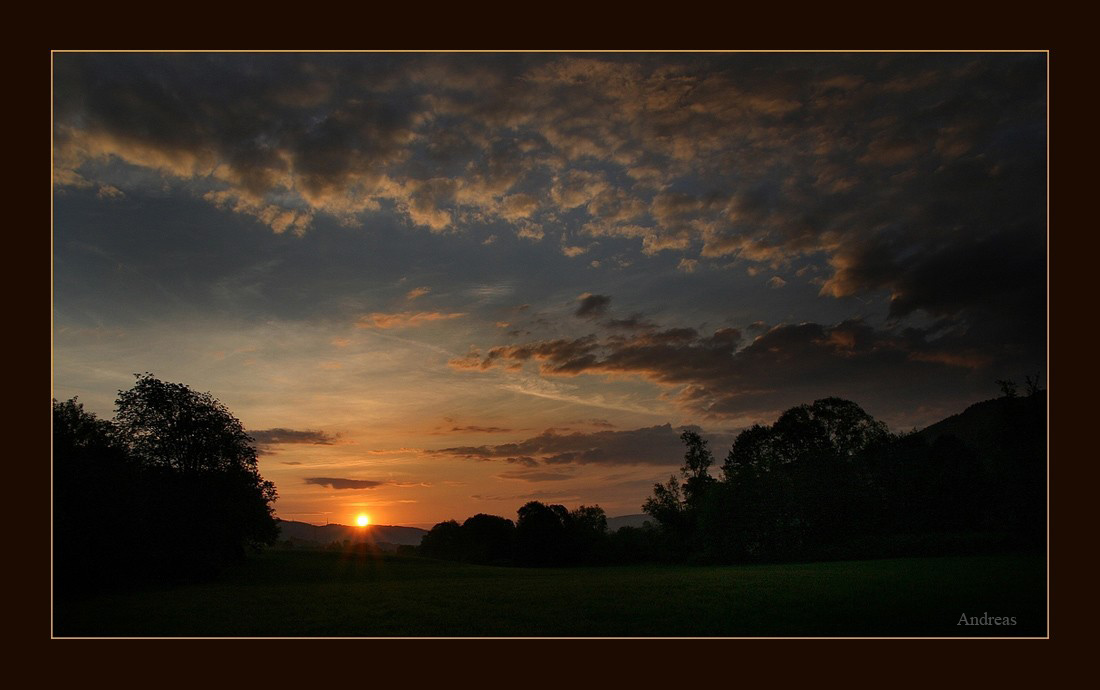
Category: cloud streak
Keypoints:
(724, 376)
(656, 445)
(405, 319)
(341, 483)
(279, 436)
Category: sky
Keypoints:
(435, 285)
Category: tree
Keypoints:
(542, 534)
(697, 461)
(169, 425)
(666, 505)
(169, 489)
(1032, 385)
(96, 490)
(676, 506)
(193, 440)
(488, 539)
(588, 534)
(444, 541)
(801, 483)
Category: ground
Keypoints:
(305, 594)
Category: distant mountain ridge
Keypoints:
(994, 428)
(636, 520)
(307, 533)
(326, 534)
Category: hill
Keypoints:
(993, 428)
(305, 533)
(637, 520)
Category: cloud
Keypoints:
(340, 483)
(592, 305)
(657, 445)
(107, 191)
(602, 423)
(479, 429)
(532, 496)
(720, 375)
(529, 476)
(405, 319)
(634, 322)
(517, 206)
(775, 282)
(417, 292)
(530, 231)
(269, 437)
(921, 176)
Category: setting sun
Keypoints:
(363, 520)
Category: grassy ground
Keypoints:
(298, 594)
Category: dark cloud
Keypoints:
(276, 436)
(890, 167)
(340, 483)
(528, 476)
(635, 322)
(657, 445)
(592, 305)
(719, 376)
(525, 460)
(532, 496)
(599, 423)
(480, 429)
(914, 184)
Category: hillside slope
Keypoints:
(382, 534)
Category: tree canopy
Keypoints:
(827, 478)
(169, 488)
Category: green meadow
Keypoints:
(308, 594)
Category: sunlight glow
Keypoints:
(363, 520)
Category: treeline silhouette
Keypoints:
(543, 535)
(825, 481)
(168, 490)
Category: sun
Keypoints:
(363, 520)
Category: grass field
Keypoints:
(304, 594)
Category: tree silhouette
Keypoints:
(96, 490)
(488, 539)
(170, 488)
(588, 534)
(192, 439)
(676, 506)
(697, 461)
(542, 534)
(444, 541)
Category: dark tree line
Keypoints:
(167, 490)
(543, 535)
(827, 480)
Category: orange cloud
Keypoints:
(405, 319)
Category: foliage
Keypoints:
(170, 426)
(544, 535)
(828, 479)
(676, 506)
(194, 439)
(170, 488)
